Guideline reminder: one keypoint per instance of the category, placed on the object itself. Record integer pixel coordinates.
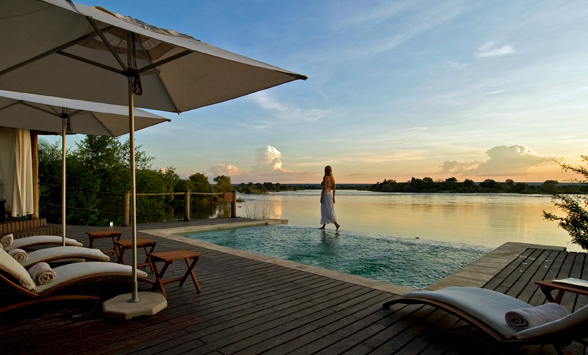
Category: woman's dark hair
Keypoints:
(328, 171)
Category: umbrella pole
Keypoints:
(63, 213)
(135, 294)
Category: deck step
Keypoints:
(14, 226)
(45, 230)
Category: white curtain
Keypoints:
(16, 171)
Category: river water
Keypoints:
(487, 220)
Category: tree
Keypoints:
(549, 187)
(170, 178)
(184, 185)
(98, 170)
(576, 220)
(451, 181)
(223, 183)
(489, 184)
(200, 183)
(469, 183)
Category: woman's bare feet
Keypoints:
(323, 227)
(337, 225)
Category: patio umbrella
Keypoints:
(58, 115)
(65, 49)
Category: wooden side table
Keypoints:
(548, 286)
(121, 245)
(114, 235)
(168, 257)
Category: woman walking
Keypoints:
(328, 199)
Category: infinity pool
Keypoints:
(407, 262)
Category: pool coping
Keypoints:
(480, 271)
(475, 274)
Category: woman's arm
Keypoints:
(333, 179)
(323, 184)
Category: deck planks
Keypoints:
(252, 307)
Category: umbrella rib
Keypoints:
(76, 112)
(103, 126)
(107, 43)
(39, 108)
(71, 114)
(49, 52)
(91, 62)
(164, 61)
(10, 105)
(161, 62)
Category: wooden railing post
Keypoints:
(187, 205)
(234, 205)
(126, 208)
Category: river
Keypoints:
(487, 220)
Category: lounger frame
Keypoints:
(558, 339)
(47, 296)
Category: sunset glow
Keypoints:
(396, 89)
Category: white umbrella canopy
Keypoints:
(64, 49)
(43, 113)
(59, 115)
(57, 48)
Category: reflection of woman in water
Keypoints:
(328, 199)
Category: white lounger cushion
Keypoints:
(16, 270)
(26, 242)
(486, 305)
(555, 326)
(61, 253)
(75, 271)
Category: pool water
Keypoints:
(408, 262)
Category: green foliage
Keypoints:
(200, 183)
(154, 208)
(100, 165)
(259, 188)
(50, 175)
(184, 185)
(575, 222)
(223, 183)
(549, 187)
(452, 185)
(490, 185)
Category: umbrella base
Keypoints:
(119, 307)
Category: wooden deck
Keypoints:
(252, 307)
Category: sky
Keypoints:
(395, 89)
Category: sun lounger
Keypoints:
(49, 255)
(16, 276)
(28, 242)
(486, 309)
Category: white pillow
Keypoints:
(16, 270)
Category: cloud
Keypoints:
(224, 169)
(455, 65)
(490, 49)
(268, 167)
(421, 18)
(375, 15)
(502, 161)
(268, 160)
(285, 113)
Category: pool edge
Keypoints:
(170, 233)
(481, 270)
(475, 274)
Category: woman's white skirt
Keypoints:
(328, 209)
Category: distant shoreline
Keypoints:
(427, 185)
